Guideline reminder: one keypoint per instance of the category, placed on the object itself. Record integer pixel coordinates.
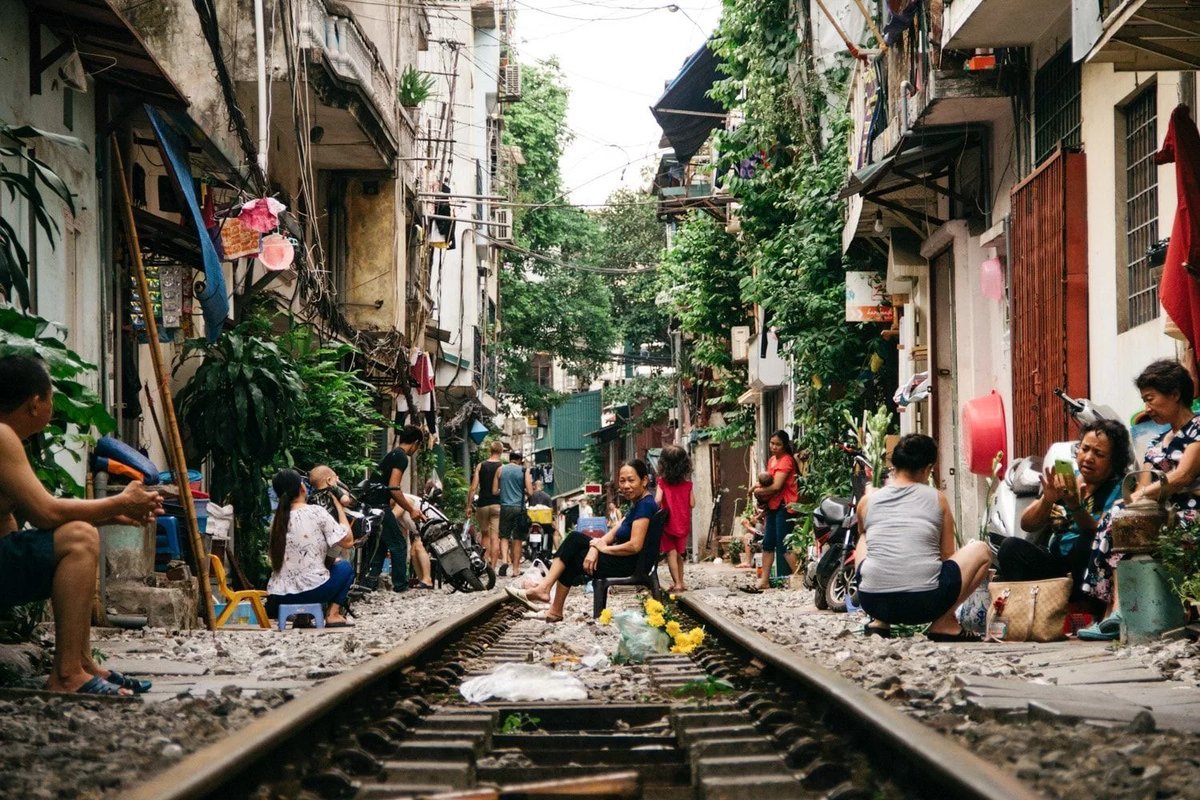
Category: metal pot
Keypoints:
(1136, 524)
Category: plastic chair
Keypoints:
(287, 610)
(254, 596)
(645, 571)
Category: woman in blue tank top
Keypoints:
(909, 570)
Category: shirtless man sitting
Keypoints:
(59, 559)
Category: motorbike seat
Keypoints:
(833, 510)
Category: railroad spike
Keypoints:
(332, 784)
(377, 742)
(357, 762)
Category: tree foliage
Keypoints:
(548, 308)
(633, 240)
(786, 164)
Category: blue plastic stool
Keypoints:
(290, 610)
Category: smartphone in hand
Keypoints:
(1066, 469)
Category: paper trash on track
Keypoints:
(523, 682)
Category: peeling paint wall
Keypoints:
(371, 257)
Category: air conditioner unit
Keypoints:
(739, 343)
(502, 229)
(510, 82)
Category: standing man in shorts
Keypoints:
(58, 559)
(513, 484)
(487, 507)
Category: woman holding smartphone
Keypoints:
(1070, 507)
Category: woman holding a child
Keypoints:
(781, 491)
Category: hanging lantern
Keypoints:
(478, 432)
(991, 277)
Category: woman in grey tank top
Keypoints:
(909, 570)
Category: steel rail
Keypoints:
(208, 770)
(962, 774)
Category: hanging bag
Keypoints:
(1028, 611)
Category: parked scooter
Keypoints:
(454, 556)
(835, 533)
(1022, 481)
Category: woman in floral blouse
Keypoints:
(1167, 392)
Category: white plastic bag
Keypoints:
(523, 682)
(533, 575)
(220, 521)
(638, 638)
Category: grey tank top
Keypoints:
(904, 534)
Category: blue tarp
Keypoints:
(687, 132)
(213, 301)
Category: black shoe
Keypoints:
(503, 570)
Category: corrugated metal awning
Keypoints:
(1150, 35)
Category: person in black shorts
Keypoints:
(58, 557)
(390, 473)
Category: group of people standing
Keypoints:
(499, 497)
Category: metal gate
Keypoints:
(1049, 299)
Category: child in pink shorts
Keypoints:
(675, 494)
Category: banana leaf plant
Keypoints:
(242, 409)
(78, 411)
(24, 176)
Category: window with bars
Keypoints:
(1056, 105)
(1141, 205)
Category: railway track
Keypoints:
(396, 728)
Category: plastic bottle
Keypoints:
(387, 565)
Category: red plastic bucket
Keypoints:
(985, 433)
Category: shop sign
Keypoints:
(866, 299)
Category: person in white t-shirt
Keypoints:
(300, 535)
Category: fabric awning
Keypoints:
(213, 301)
(685, 112)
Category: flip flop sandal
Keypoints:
(339, 624)
(135, 685)
(521, 597)
(99, 686)
(962, 637)
(750, 589)
(877, 630)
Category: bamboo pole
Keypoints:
(175, 451)
(883, 48)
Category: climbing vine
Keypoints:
(786, 164)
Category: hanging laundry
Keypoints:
(261, 214)
(444, 228)
(1179, 289)
(421, 372)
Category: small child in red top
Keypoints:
(675, 494)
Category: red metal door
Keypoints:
(1049, 300)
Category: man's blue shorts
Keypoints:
(26, 566)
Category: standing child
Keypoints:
(674, 493)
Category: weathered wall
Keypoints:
(371, 259)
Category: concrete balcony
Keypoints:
(1139, 35)
(348, 75)
(969, 24)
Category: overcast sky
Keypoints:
(617, 56)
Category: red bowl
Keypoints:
(985, 433)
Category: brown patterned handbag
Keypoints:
(1031, 611)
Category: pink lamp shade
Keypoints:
(991, 279)
(277, 253)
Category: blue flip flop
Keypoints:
(99, 686)
(135, 685)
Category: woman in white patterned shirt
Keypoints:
(300, 535)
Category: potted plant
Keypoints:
(413, 89)
(735, 550)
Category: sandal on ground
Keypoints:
(522, 597)
(99, 686)
(420, 585)
(545, 616)
(752, 589)
(341, 624)
(1096, 633)
(135, 685)
(882, 631)
(962, 637)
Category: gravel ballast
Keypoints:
(88, 749)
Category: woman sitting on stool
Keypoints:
(1070, 511)
(300, 535)
(613, 555)
(909, 571)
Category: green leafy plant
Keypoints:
(241, 413)
(414, 87)
(22, 174)
(20, 623)
(454, 493)
(519, 721)
(337, 409)
(736, 548)
(707, 687)
(1178, 551)
(592, 464)
(78, 411)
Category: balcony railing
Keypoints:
(348, 54)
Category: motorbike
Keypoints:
(541, 534)
(831, 563)
(1022, 481)
(454, 556)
